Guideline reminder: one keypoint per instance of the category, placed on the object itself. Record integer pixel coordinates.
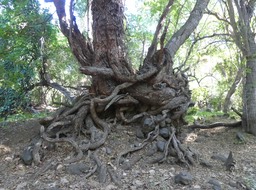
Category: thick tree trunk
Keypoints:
(108, 43)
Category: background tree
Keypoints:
(31, 62)
(240, 27)
(22, 27)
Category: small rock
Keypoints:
(219, 157)
(21, 168)
(136, 144)
(148, 122)
(52, 185)
(160, 145)
(108, 150)
(162, 124)
(77, 169)
(232, 184)
(64, 180)
(172, 169)
(164, 132)
(26, 155)
(8, 159)
(196, 187)
(159, 118)
(21, 186)
(148, 125)
(168, 120)
(152, 150)
(215, 183)
(124, 174)
(138, 183)
(139, 133)
(152, 172)
(184, 178)
(110, 187)
(59, 167)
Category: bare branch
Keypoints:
(217, 16)
(153, 46)
(81, 48)
(185, 31)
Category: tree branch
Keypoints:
(153, 46)
(81, 48)
(185, 31)
(217, 16)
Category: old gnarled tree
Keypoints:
(148, 96)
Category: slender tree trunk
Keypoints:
(244, 38)
(249, 101)
(232, 90)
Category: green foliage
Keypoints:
(23, 116)
(22, 27)
(138, 37)
(11, 100)
(196, 114)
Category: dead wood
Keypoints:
(214, 125)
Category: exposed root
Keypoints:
(134, 118)
(46, 166)
(79, 152)
(101, 168)
(92, 171)
(35, 152)
(166, 148)
(114, 177)
(86, 130)
(151, 136)
(127, 165)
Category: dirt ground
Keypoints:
(52, 174)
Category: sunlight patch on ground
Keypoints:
(4, 149)
(191, 137)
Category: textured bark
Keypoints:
(108, 43)
(249, 101)
(80, 46)
(244, 39)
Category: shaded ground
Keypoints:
(52, 174)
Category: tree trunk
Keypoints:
(244, 39)
(249, 101)
(146, 98)
(232, 89)
(108, 43)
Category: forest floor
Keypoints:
(52, 174)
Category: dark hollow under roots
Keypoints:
(81, 127)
